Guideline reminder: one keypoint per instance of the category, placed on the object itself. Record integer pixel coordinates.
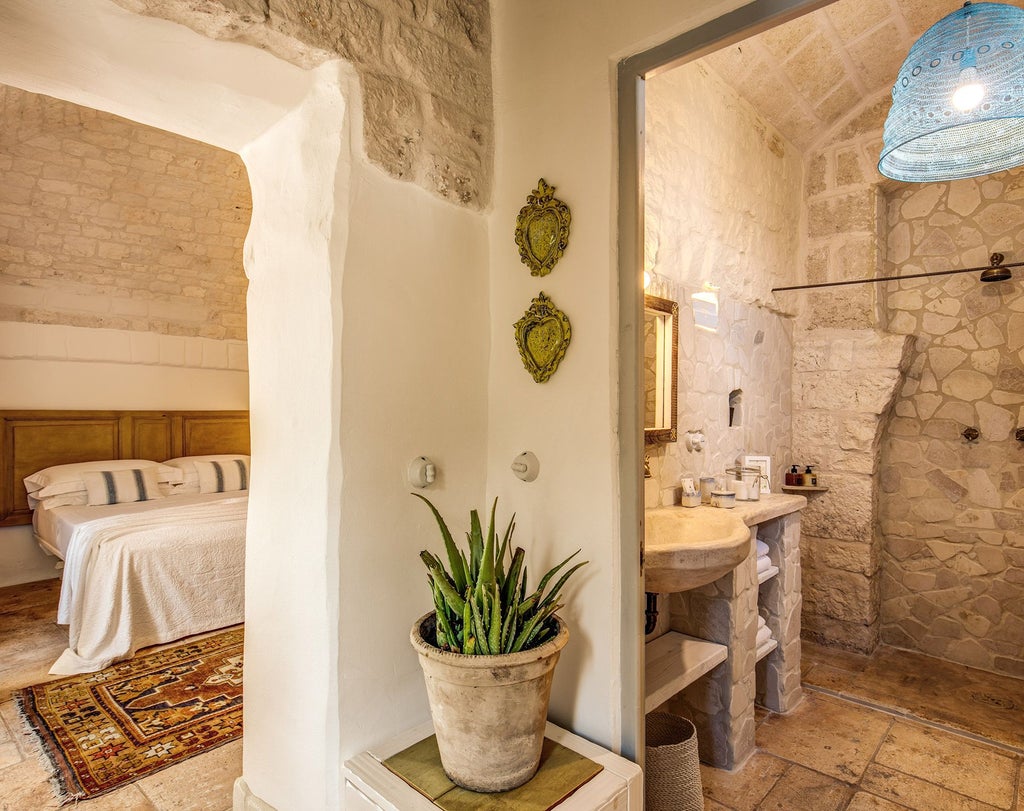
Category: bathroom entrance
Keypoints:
(901, 396)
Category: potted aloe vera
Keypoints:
(488, 652)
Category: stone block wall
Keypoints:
(844, 385)
(424, 65)
(952, 511)
(752, 352)
(843, 239)
(721, 195)
(105, 223)
(721, 190)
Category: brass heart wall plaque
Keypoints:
(543, 335)
(542, 229)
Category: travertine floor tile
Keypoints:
(830, 678)
(813, 653)
(10, 754)
(915, 794)
(203, 783)
(862, 801)
(1020, 789)
(743, 789)
(711, 805)
(30, 641)
(827, 735)
(951, 761)
(962, 697)
(25, 787)
(805, 789)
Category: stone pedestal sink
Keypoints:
(686, 548)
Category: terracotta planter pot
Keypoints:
(489, 711)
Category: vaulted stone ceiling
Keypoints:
(806, 75)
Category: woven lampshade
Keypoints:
(927, 137)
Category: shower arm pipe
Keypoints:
(897, 278)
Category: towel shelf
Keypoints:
(674, 661)
(766, 648)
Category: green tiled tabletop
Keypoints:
(561, 772)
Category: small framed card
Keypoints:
(765, 463)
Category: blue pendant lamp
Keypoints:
(958, 102)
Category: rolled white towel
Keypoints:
(762, 547)
(763, 635)
(763, 564)
(760, 621)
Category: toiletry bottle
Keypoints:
(793, 476)
(810, 478)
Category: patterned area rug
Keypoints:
(103, 730)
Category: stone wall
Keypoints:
(424, 67)
(847, 372)
(844, 209)
(752, 352)
(844, 384)
(105, 223)
(721, 193)
(953, 511)
(721, 190)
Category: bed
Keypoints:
(142, 572)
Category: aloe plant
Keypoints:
(483, 607)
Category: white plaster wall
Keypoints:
(722, 189)
(414, 356)
(554, 87)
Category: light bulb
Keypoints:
(969, 92)
(647, 280)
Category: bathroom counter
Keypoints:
(769, 506)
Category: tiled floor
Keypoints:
(961, 697)
(836, 753)
(30, 641)
(830, 754)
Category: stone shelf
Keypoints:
(766, 648)
(675, 660)
(767, 574)
(792, 488)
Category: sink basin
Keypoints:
(686, 548)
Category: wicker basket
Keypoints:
(672, 773)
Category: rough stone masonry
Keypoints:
(424, 66)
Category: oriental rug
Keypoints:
(100, 731)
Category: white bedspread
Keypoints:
(142, 578)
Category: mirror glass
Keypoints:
(661, 369)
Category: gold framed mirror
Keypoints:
(661, 370)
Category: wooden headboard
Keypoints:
(32, 440)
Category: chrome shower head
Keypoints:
(996, 273)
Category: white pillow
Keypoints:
(61, 479)
(190, 473)
(223, 476)
(79, 499)
(121, 486)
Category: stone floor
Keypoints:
(975, 701)
(881, 733)
(30, 641)
(832, 753)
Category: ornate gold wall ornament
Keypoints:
(543, 335)
(542, 229)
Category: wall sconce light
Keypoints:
(958, 102)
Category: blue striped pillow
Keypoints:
(224, 476)
(121, 486)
